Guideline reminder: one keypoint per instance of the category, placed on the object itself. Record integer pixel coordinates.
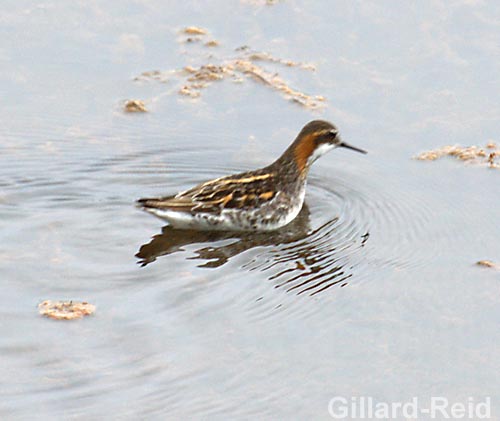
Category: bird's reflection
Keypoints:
(172, 240)
(301, 260)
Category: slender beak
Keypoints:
(346, 145)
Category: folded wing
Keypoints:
(242, 191)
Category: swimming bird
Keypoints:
(261, 200)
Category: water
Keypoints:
(372, 291)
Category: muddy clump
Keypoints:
(487, 264)
(134, 106)
(241, 65)
(485, 156)
(65, 310)
(194, 30)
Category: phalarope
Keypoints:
(260, 200)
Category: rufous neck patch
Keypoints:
(303, 151)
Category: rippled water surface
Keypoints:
(372, 291)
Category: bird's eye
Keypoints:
(333, 134)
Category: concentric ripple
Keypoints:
(397, 216)
(317, 251)
(349, 229)
(324, 256)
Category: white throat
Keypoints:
(320, 150)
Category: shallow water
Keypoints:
(372, 291)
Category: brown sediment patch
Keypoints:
(258, 73)
(135, 106)
(263, 56)
(194, 30)
(196, 35)
(487, 264)
(189, 91)
(65, 310)
(206, 73)
(157, 75)
(193, 39)
(247, 65)
(485, 156)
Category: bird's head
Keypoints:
(315, 139)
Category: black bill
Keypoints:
(346, 145)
